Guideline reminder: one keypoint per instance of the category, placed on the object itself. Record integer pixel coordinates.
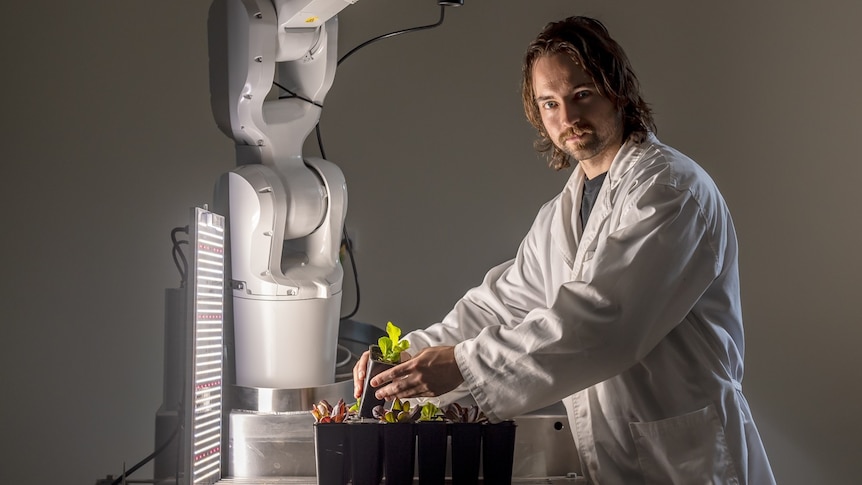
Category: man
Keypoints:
(623, 299)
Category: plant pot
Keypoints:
(498, 452)
(375, 366)
(332, 453)
(399, 450)
(366, 457)
(466, 451)
(431, 444)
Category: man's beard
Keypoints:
(587, 145)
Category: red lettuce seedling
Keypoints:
(324, 412)
(460, 414)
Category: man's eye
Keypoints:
(549, 105)
(583, 94)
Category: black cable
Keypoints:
(152, 455)
(393, 34)
(349, 245)
(319, 140)
(182, 267)
(295, 95)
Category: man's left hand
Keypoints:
(432, 372)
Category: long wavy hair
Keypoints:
(589, 44)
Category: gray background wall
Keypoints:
(109, 141)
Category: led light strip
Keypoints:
(208, 338)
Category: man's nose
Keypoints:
(570, 114)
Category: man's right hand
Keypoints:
(359, 374)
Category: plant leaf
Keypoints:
(385, 344)
(428, 412)
(393, 332)
(401, 346)
(415, 413)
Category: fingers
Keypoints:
(359, 374)
(397, 372)
(432, 372)
(403, 387)
(393, 382)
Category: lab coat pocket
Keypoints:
(686, 449)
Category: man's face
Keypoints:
(578, 119)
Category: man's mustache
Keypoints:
(578, 130)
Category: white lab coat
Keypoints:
(634, 323)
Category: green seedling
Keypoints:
(430, 412)
(391, 345)
(400, 412)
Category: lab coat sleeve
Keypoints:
(638, 283)
(507, 294)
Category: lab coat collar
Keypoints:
(566, 231)
(627, 157)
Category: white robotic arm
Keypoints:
(272, 63)
(256, 42)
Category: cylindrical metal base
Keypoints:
(272, 430)
(257, 399)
